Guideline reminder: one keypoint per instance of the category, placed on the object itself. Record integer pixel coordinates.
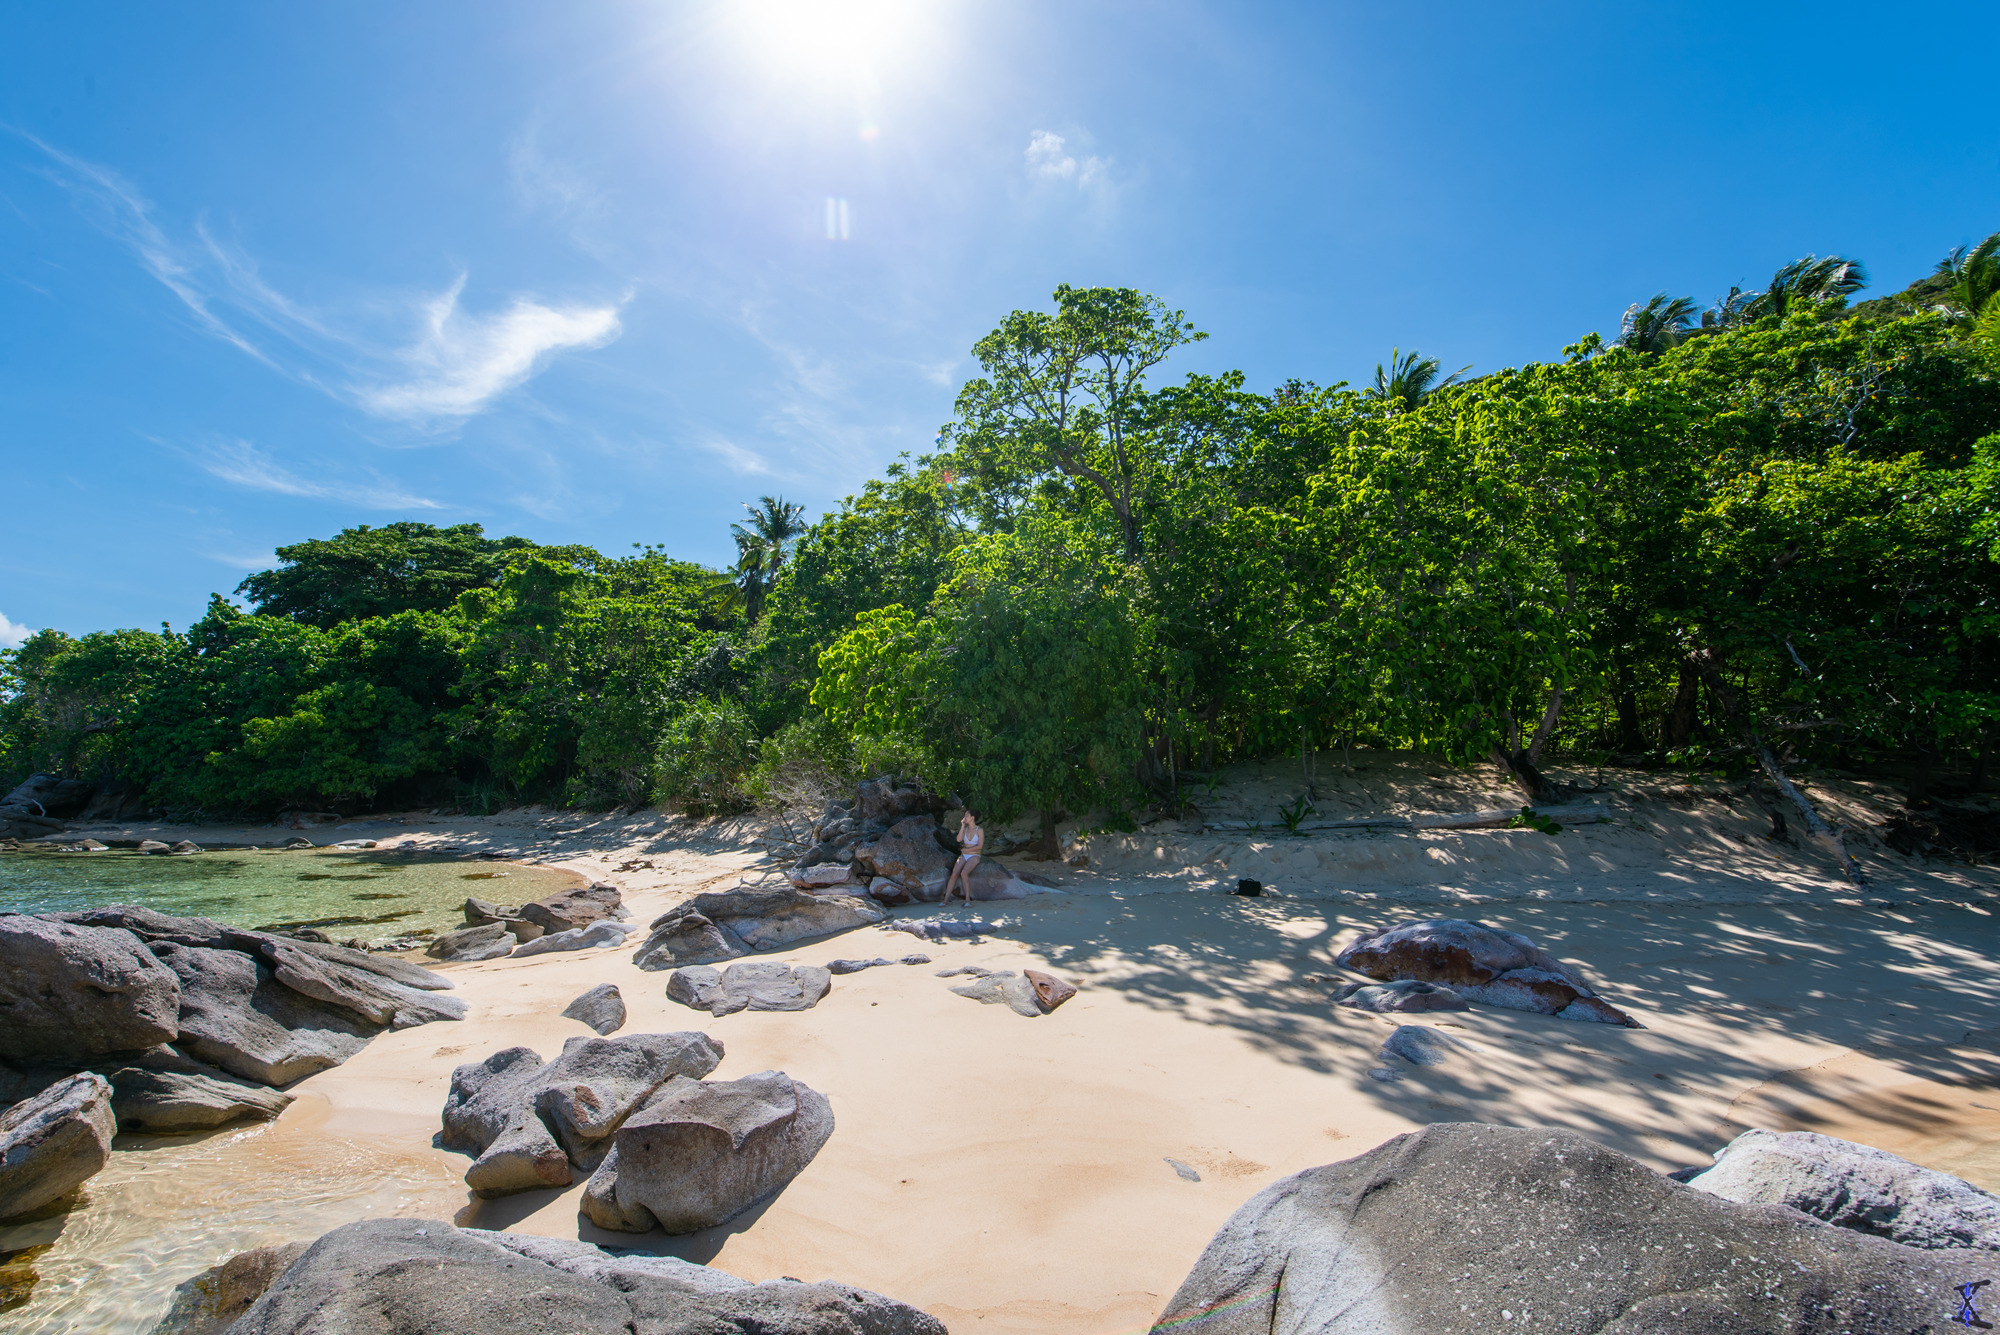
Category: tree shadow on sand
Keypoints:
(1731, 996)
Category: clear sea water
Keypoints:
(345, 892)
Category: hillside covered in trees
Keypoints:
(1761, 536)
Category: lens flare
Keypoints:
(829, 37)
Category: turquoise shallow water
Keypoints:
(346, 892)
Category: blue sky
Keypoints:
(601, 271)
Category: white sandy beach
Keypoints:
(1009, 1174)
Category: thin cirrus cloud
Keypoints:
(739, 460)
(449, 364)
(1050, 160)
(12, 633)
(244, 465)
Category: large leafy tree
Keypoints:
(371, 572)
(1064, 397)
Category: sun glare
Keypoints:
(830, 37)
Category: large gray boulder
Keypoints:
(50, 796)
(908, 853)
(725, 924)
(758, 985)
(602, 1008)
(1482, 964)
(700, 1153)
(530, 1122)
(689, 937)
(235, 1014)
(150, 926)
(883, 801)
(209, 1303)
(375, 999)
(69, 992)
(423, 1277)
(145, 1099)
(1854, 1186)
(1463, 1227)
(53, 1142)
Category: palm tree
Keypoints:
(1808, 280)
(1975, 275)
(1656, 326)
(1408, 380)
(761, 548)
(1731, 311)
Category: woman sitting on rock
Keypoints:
(970, 840)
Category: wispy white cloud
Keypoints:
(740, 460)
(244, 465)
(431, 361)
(463, 362)
(12, 633)
(1049, 160)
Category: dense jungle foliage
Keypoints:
(1761, 534)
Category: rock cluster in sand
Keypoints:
(190, 1021)
(533, 1123)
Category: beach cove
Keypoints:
(1025, 1175)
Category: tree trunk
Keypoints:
(1630, 740)
(1045, 849)
(1709, 664)
(1521, 769)
(1678, 725)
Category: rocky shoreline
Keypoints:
(579, 1096)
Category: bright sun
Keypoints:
(829, 37)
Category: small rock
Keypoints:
(855, 966)
(353, 843)
(1005, 988)
(604, 932)
(1050, 990)
(53, 1142)
(92, 846)
(602, 1008)
(758, 985)
(943, 929)
(491, 942)
(1424, 1046)
(1407, 995)
(185, 847)
(153, 846)
(1384, 1073)
(299, 843)
(915, 959)
(972, 969)
(1186, 1173)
